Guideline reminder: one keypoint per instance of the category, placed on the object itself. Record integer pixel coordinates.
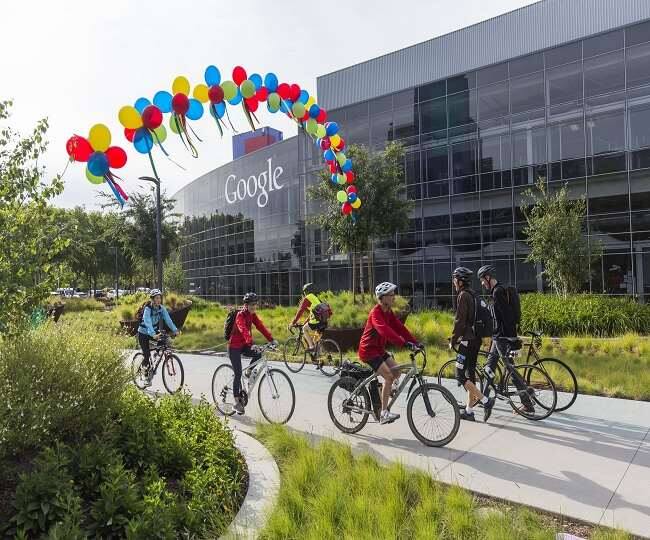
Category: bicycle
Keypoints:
(353, 398)
(273, 388)
(540, 390)
(327, 356)
(173, 374)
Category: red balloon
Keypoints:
(262, 93)
(239, 75)
(129, 134)
(78, 148)
(294, 93)
(322, 116)
(349, 176)
(346, 209)
(152, 117)
(325, 143)
(351, 189)
(305, 116)
(341, 144)
(252, 104)
(215, 94)
(333, 168)
(180, 103)
(116, 157)
(284, 91)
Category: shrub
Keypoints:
(83, 304)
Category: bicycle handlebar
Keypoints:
(415, 353)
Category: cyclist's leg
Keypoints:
(235, 360)
(466, 373)
(504, 347)
(386, 371)
(492, 359)
(143, 340)
(251, 353)
(306, 331)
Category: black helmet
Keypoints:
(488, 269)
(250, 298)
(307, 288)
(462, 274)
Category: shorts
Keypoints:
(375, 363)
(318, 326)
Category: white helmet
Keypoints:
(154, 292)
(384, 288)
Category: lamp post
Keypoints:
(159, 278)
(117, 276)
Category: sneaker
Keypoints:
(487, 409)
(467, 416)
(388, 417)
(238, 407)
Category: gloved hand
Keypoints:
(274, 343)
(411, 346)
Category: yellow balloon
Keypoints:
(130, 117)
(181, 86)
(201, 93)
(335, 140)
(99, 137)
(356, 204)
(92, 178)
(310, 102)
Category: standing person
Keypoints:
(381, 328)
(309, 303)
(150, 315)
(241, 343)
(468, 343)
(506, 314)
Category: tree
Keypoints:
(379, 178)
(174, 274)
(30, 236)
(555, 232)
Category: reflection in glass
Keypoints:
(433, 115)
(493, 100)
(638, 65)
(564, 84)
(604, 74)
(527, 93)
(462, 108)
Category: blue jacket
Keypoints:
(151, 320)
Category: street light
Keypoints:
(156, 181)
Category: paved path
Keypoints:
(591, 463)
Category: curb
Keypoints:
(263, 489)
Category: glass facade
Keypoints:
(578, 114)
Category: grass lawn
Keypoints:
(327, 493)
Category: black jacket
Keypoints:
(504, 317)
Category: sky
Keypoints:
(77, 62)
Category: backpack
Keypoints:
(229, 323)
(322, 312)
(483, 325)
(514, 302)
(139, 315)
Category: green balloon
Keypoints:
(342, 196)
(341, 157)
(229, 89)
(298, 110)
(247, 89)
(341, 179)
(310, 126)
(94, 179)
(161, 133)
(321, 131)
(274, 101)
(172, 125)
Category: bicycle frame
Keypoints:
(160, 351)
(301, 335)
(262, 365)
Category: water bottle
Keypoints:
(489, 372)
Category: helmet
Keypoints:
(462, 274)
(488, 269)
(155, 292)
(250, 298)
(307, 287)
(384, 288)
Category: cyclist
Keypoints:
(241, 343)
(309, 303)
(468, 344)
(381, 328)
(152, 313)
(504, 338)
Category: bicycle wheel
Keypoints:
(138, 374)
(223, 381)
(173, 374)
(276, 396)
(330, 357)
(339, 402)
(437, 425)
(294, 354)
(538, 397)
(447, 379)
(564, 379)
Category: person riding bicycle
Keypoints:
(381, 328)
(241, 343)
(152, 313)
(309, 303)
(504, 338)
(467, 344)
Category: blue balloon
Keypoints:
(352, 197)
(285, 105)
(237, 99)
(163, 100)
(141, 104)
(195, 111)
(256, 79)
(347, 166)
(271, 82)
(271, 108)
(212, 76)
(98, 164)
(314, 110)
(328, 155)
(317, 142)
(304, 96)
(143, 141)
(335, 179)
(219, 109)
(332, 128)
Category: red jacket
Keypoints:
(381, 328)
(241, 331)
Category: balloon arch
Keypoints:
(144, 128)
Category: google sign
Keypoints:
(260, 185)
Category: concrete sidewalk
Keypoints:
(591, 463)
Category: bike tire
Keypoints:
(447, 379)
(178, 371)
(275, 376)
(294, 354)
(542, 381)
(442, 397)
(347, 385)
(220, 394)
(570, 389)
(330, 357)
(137, 374)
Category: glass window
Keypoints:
(432, 90)
(437, 164)
(381, 129)
(529, 147)
(381, 104)
(611, 41)
(492, 153)
(564, 84)
(433, 115)
(638, 65)
(639, 33)
(404, 99)
(412, 168)
(527, 93)
(639, 126)
(357, 131)
(604, 74)
(406, 122)
(493, 100)
(462, 108)
(566, 140)
(563, 55)
(527, 64)
(461, 82)
(492, 74)
(605, 132)
(463, 157)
